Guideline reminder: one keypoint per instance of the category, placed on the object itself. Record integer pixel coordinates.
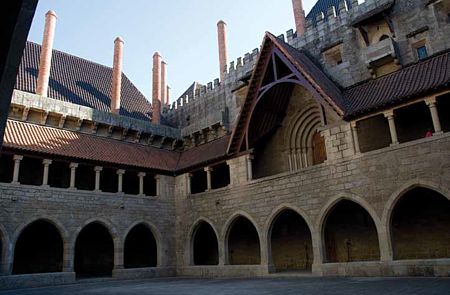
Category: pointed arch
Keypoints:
(242, 240)
(204, 243)
(141, 246)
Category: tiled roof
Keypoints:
(64, 143)
(409, 82)
(322, 6)
(204, 153)
(82, 82)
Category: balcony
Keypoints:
(381, 52)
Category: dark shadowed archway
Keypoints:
(350, 234)
(291, 242)
(94, 251)
(205, 246)
(39, 249)
(420, 225)
(140, 248)
(243, 243)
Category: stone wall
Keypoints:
(374, 180)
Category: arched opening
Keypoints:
(350, 234)
(291, 242)
(38, 249)
(420, 225)
(205, 246)
(94, 251)
(243, 243)
(140, 249)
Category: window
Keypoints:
(333, 56)
(422, 52)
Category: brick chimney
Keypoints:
(163, 82)
(299, 15)
(156, 100)
(117, 76)
(223, 52)
(168, 95)
(45, 61)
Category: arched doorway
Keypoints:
(350, 234)
(205, 246)
(140, 249)
(38, 249)
(94, 251)
(291, 243)
(243, 243)
(420, 225)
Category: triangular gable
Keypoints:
(295, 67)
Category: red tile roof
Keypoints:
(412, 81)
(64, 143)
(204, 153)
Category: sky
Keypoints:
(183, 31)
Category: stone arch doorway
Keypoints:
(290, 242)
(140, 249)
(243, 243)
(94, 251)
(205, 246)
(420, 225)
(39, 249)
(350, 234)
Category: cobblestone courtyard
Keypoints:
(285, 286)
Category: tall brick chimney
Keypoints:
(299, 15)
(223, 52)
(168, 95)
(117, 76)
(156, 100)
(163, 82)
(45, 61)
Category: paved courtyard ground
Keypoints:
(284, 286)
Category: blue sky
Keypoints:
(183, 31)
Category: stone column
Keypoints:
(355, 137)
(158, 185)
(16, 171)
(188, 183)
(431, 103)
(68, 257)
(392, 128)
(141, 176)
(120, 174)
(208, 171)
(73, 170)
(46, 163)
(97, 170)
(249, 159)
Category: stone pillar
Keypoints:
(156, 99)
(299, 16)
(16, 171)
(158, 185)
(223, 51)
(45, 59)
(97, 170)
(46, 163)
(355, 138)
(392, 128)
(208, 171)
(120, 174)
(73, 170)
(431, 103)
(141, 176)
(188, 183)
(117, 75)
(249, 159)
(68, 257)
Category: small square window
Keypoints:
(422, 52)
